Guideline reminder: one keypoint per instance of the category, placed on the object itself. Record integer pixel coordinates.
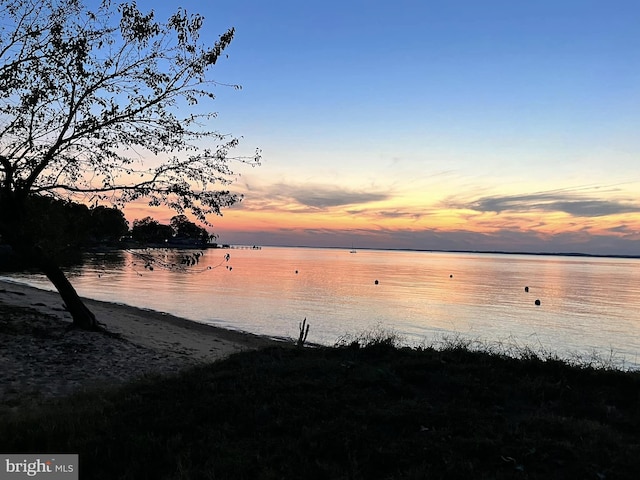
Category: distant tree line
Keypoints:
(180, 232)
(74, 225)
(73, 228)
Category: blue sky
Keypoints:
(508, 125)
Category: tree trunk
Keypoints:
(82, 317)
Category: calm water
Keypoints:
(587, 304)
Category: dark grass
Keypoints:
(350, 413)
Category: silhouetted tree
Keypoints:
(69, 228)
(85, 95)
(184, 229)
(150, 231)
(107, 224)
(65, 232)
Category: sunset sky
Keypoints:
(451, 124)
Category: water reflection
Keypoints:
(99, 263)
(586, 303)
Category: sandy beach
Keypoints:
(41, 357)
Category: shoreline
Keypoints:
(128, 320)
(41, 357)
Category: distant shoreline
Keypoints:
(102, 249)
(479, 252)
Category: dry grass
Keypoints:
(365, 409)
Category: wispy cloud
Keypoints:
(625, 230)
(574, 204)
(412, 215)
(324, 197)
(308, 196)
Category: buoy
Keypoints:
(526, 289)
(376, 282)
(537, 302)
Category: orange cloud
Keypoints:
(313, 214)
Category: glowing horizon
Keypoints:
(543, 221)
(502, 126)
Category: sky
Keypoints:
(487, 125)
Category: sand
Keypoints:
(40, 356)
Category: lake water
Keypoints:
(587, 304)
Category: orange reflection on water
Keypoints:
(585, 302)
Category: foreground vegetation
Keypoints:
(358, 412)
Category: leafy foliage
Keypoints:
(99, 105)
(184, 229)
(107, 224)
(149, 230)
(86, 94)
(70, 228)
